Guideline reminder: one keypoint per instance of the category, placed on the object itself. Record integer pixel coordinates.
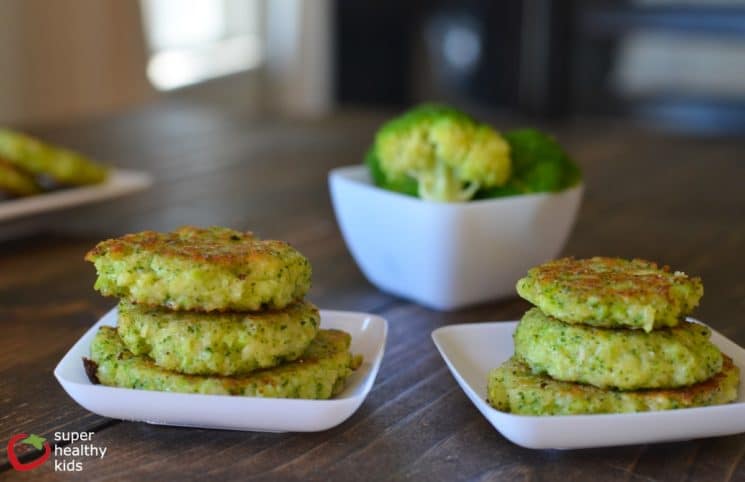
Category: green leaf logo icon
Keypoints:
(35, 441)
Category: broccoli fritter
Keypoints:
(38, 158)
(221, 343)
(513, 388)
(623, 359)
(15, 182)
(319, 373)
(611, 292)
(201, 269)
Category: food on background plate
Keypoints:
(439, 153)
(212, 269)
(319, 373)
(16, 183)
(611, 292)
(248, 330)
(607, 336)
(37, 166)
(222, 343)
(622, 359)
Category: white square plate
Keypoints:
(232, 412)
(472, 350)
(27, 215)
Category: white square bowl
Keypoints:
(368, 332)
(472, 350)
(448, 255)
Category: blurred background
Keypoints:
(671, 64)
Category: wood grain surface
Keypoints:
(676, 200)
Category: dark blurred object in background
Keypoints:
(456, 51)
(674, 64)
(373, 47)
(471, 51)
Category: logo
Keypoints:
(32, 440)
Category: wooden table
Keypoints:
(672, 199)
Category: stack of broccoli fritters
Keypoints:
(608, 335)
(214, 311)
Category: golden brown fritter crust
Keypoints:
(689, 395)
(611, 292)
(630, 279)
(214, 245)
(202, 269)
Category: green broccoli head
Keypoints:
(539, 164)
(439, 154)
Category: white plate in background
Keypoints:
(472, 350)
(368, 332)
(119, 183)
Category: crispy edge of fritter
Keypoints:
(581, 277)
(232, 384)
(690, 393)
(685, 396)
(214, 245)
(209, 250)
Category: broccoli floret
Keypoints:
(439, 154)
(539, 164)
(406, 185)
